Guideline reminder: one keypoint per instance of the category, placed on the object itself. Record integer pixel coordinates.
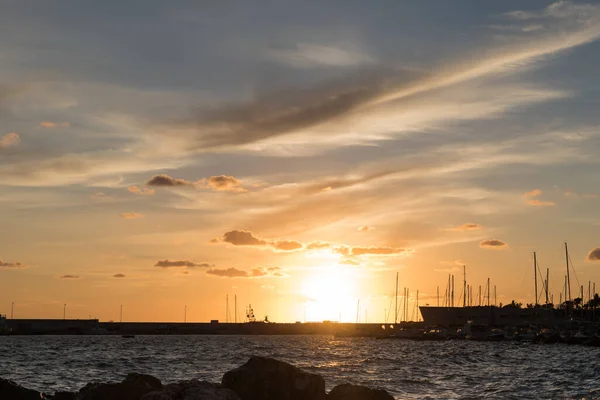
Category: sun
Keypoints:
(331, 294)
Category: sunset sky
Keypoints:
(297, 154)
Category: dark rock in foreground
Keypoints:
(192, 390)
(268, 379)
(133, 387)
(11, 390)
(259, 379)
(356, 392)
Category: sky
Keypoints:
(293, 155)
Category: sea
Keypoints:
(406, 369)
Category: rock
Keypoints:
(133, 387)
(347, 391)
(9, 390)
(192, 390)
(264, 378)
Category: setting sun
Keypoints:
(331, 294)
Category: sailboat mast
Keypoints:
(568, 275)
(396, 305)
(464, 285)
(452, 290)
(547, 280)
(535, 278)
(488, 290)
(438, 296)
(417, 306)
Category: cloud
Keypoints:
(140, 190)
(307, 55)
(465, 227)
(222, 183)
(541, 203)
(365, 228)
(69, 276)
(6, 264)
(11, 139)
(537, 202)
(49, 124)
(493, 244)
(594, 254)
(181, 263)
(118, 276)
(377, 251)
(349, 262)
(164, 180)
(286, 245)
(533, 193)
(100, 196)
(242, 238)
(131, 215)
(318, 245)
(254, 273)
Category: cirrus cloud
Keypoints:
(131, 215)
(6, 264)
(465, 227)
(69, 276)
(140, 190)
(253, 273)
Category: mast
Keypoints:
(227, 308)
(488, 290)
(464, 285)
(396, 305)
(357, 310)
(494, 295)
(480, 295)
(452, 290)
(535, 303)
(547, 280)
(568, 276)
(449, 288)
(438, 296)
(235, 309)
(417, 306)
(406, 305)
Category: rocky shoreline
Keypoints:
(260, 378)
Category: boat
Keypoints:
(4, 329)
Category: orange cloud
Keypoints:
(540, 203)
(181, 263)
(349, 262)
(379, 251)
(365, 228)
(9, 140)
(5, 264)
(242, 238)
(69, 276)
(222, 183)
(254, 273)
(164, 180)
(287, 245)
(131, 215)
(465, 227)
(594, 254)
(493, 244)
(118, 276)
(140, 190)
(49, 124)
(536, 202)
(533, 193)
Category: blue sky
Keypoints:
(295, 123)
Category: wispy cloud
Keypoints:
(140, 190)
(465, 227)
(11, 139)
(533, 201)
(253, 273)
(306, 55)
(69, 276)
(7, 264)
(131, 215)
(119, 276)
(181, 263)
(50, 124)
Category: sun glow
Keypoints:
(331, 294)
